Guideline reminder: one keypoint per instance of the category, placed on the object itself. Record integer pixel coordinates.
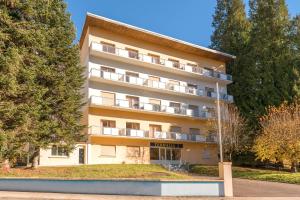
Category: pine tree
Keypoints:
(231, 35)
(48, 76)
(295, 48)
(270, 56)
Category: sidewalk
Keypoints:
(58, 196)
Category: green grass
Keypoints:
(249, 173)
(97, 172)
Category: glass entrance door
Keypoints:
(161, 155)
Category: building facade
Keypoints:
(149, 98)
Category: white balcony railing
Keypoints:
(155, 84)
(134, 133)
(158, 61)
(137, 105)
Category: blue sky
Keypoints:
(188, 20)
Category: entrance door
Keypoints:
(81, 155)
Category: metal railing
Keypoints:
(137, 105)
(136, 133)
(160, 61)
(155, 84)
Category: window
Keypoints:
(195, 109)
(133, 101)
(153, 128)
(174, 105)
(133, 151)
(175, 63)
(108, 47)
(108, 123)
(154, 58)
(206, 154)
(195, 131)
(175, 129)
(109, 151)
(108, 69)
(209, 91)
(154, 78)
(133, 53)
(195, 67)
(155, 103)
(108, 98)
(173, 82)
(59, 151)
(132, 125)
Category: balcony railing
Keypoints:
(160, 61)
(155, 84)
(137, 105)
(135, 133)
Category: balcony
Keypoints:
(162, 64)
(156, 85)
(148, 107)
(142, 134)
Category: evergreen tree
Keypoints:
(231, 35)
(47, 76)
(270, 57)
(295, 48)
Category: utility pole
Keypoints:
(219, 123)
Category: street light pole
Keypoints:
(219, 123)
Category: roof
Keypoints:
(149, 36)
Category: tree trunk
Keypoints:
(294, 167)
(6, 165)
(35, 158)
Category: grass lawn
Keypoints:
(97, 172)
(249, 173)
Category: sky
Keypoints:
(188, 20)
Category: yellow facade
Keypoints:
(150, 98)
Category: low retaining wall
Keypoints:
(117, 187)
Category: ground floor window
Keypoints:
(109, 151)
(133, 151)
(59, 151)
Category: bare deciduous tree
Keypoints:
(233, 128)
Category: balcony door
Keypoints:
(108, 69)
(132, 125)
(195, 110)
(154, 128)
(132, 53)
(108, 123)
(133, 101)
(155, 104)
(108, 47)
(108, 98)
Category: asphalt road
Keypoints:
(251, 188)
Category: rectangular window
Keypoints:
(195, 131)
(59, 151)
(133, 151)
(154, 78)
(175, 63)
(108, 47)
(108, 123)
(108, 98)
(108, 69)
(153, 128)
(109, 151)
(174, 105)
(173, 82)
(133, 101)
(132, 53)
(155, 58)
(175, 129)
(132, 125)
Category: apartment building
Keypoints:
(150, 98)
